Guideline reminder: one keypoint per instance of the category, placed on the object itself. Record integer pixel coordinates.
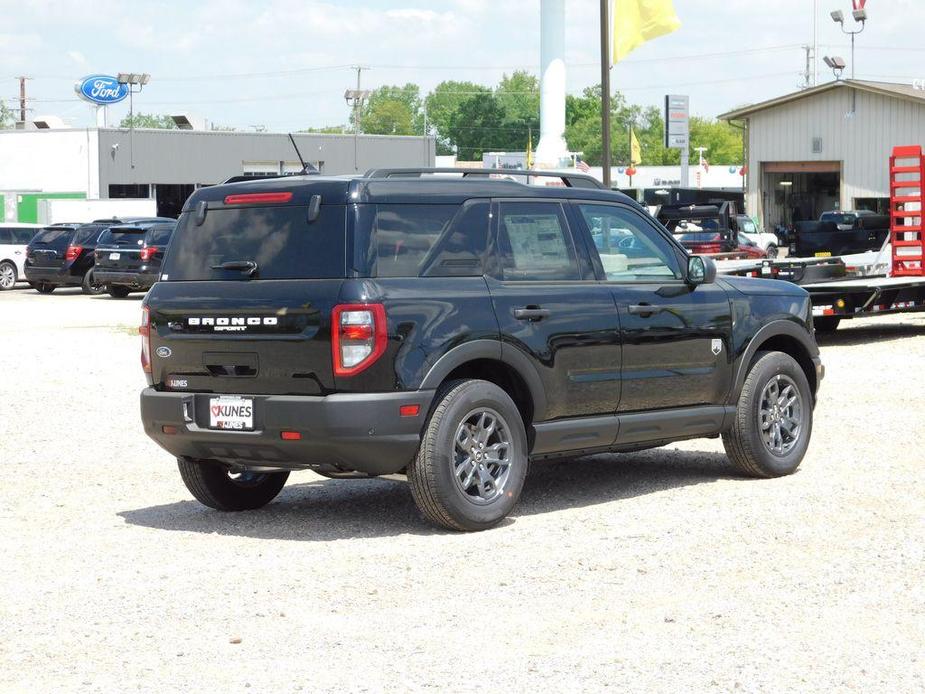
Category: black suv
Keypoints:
(453, 330)
(129, 256)
(63, 255)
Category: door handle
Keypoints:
(533, 313)
(645, 310)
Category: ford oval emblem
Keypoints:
(163, 352)
(101, 89)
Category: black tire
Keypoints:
(8, 275)
(118, 292)
(772, 251)
(213, 486)
(826, 324)
(90, 286)
(43, 287)
(432, 474)
(744, 443)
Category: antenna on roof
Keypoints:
(306, 168)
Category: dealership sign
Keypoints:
(677, 121)
(101, 89)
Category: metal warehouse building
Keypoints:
(167, 165)
(826, 148)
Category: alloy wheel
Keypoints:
(7, 276)
(780, 415)
(482, 455)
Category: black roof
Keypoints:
(403, 189)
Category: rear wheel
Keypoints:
(774, 418)
(217, 487)
(43, 287)
(772, 251)
(471, 465)
(826, 324)
(90, 285)
(7, 275)
(117, 291)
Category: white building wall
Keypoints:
(61, 161)
(862, 141)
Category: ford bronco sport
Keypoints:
(453, 330)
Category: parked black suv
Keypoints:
(129, 256)
(453, 330)
(63, 255)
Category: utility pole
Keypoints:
(808, 78)
(355, 98)
(605, 93)
(22, 98)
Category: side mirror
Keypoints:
(700, 270)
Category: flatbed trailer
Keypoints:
(840, 288)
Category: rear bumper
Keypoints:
(136, 280)
(342, 431)
(50, 275)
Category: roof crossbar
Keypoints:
(570, 180)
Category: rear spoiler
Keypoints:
(569, 180)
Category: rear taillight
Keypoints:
(145, 331)
(148, 252)
(73, 252)
(358, 337)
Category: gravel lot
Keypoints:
(656, 571)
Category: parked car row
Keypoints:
(117, 256)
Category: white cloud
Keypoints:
(77, 57)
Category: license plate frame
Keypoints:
(231, 413)
(115, 256)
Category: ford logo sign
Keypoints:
(101, 89)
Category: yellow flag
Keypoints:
(635, 149)
(637, 21)
(529, 149)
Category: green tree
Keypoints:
(7, 117)
(148, 120)
(442, 105)
(478, 126)
(723, 141)
(393, 110)
(327, 130)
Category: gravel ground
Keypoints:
(656, 571)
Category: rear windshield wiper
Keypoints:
(248, 266)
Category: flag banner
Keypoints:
(638, 21)
(635, 149)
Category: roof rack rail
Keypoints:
(570, 180)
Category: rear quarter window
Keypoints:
(440, 240)
(159, 235)
(279, 239)
(87, 234)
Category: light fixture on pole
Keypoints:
(837, 64)
(860, 17)
(132, 79)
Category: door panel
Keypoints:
(676, 338)
(565, 324)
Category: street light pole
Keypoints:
(860, 17)
(132, 79)
(605, 94)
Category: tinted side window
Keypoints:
(534, 242)
(6, 236)
(629, 248)
(23, 236)
(87, 234)
(403, 236)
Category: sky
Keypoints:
(284, 64)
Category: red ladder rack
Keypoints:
(907, 194)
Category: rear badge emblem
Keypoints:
(163, 352)
(717, 346)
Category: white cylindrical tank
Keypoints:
(552, 148)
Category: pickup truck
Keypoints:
(840, 233)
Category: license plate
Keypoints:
(823, 254)
(231, 412)
(115, 256)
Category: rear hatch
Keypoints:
(119, 248)
(245, 299)
(49, 247)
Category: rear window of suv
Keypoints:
(122, 236)
(279, 240)
(51, 235)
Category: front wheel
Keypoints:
(772, 251)
(7, 275)
(471, 466)
(774, 418)
(90, 285)
(218, 487)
